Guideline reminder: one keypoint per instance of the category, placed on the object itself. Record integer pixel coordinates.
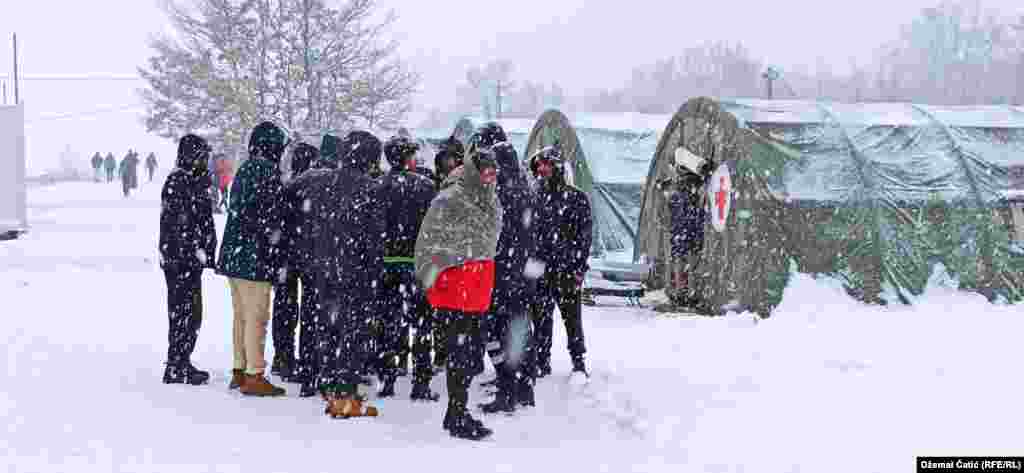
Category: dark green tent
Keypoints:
(875, 194)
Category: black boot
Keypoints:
(308, 390)
(466, 427)
(505, 398)
(524, 392)
(460, 424)
(422, 392)
(185, 373)
(389, 387)
(543, 369)
(579, 366)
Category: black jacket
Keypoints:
(688, 219)
(517, 242)
(405, 197)
(352, 247)
(188, 238)
(564, 229)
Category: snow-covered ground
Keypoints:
(827, 384)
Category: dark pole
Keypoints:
(17, 98)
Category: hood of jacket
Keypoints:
(363, 151)
(192, 153)
(510, 171)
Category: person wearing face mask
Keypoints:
(455, 264)
(564, 232)
(188, 244)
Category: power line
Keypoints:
(75, 77)
(98, 111)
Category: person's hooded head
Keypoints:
(268, 141)
(363, 151)
(193, 154)
(400, 152)
(449, 156)
(489, 134)
(332, 149)
(548, 165)
(302, 157)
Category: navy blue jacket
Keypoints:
(517, 242)
(405, 197)
(188, 238)
(564, 227)
(688, 219)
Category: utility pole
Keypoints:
(499, 99)
(770, 76)
(17, 98)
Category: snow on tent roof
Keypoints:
(909, 152)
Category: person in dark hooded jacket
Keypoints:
(251, 255)
(352, 249)
(406, 197)
(509, 332)
(449, 156)
(188, 244)
(687, 205)
(310, 205)
(564, 229)
(130, 172)
(286, 294)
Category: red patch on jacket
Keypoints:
(465, 288)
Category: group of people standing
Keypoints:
(127, 170)
(410, 261)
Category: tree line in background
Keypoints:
(310, 67)
(952, 54)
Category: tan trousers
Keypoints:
(251, 301)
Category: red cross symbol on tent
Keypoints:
(723, 192)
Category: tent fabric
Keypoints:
(876, 194)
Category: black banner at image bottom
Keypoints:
(962, 464)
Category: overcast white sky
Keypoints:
(580, 44)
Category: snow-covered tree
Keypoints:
(309, 66)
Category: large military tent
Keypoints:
(874, 194)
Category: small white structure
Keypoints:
(13, 215)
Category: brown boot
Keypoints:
(257, 385)
(237, 377)
(346, 407)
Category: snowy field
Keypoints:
(826, 385)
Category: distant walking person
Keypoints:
(151, 165)
(130, 172)
(97, 167)
(110, 165)
(251, 256)
(188, 243)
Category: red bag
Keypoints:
(465, 288)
